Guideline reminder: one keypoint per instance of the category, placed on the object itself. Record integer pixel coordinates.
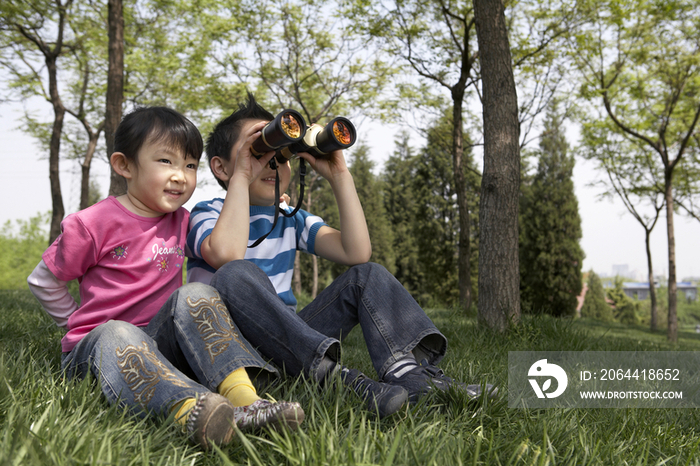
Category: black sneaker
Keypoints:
(425, 377)
(384, 399)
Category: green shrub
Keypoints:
(22, 245)
(594, 305)
(625, 307)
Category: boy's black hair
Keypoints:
(157, 124)
(222, 139)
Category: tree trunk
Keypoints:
(499, 278)
(296, 276)
(314, 285)
(57, 209)
(85, 168)
(464, 248)
(672, 290)
(115, 87)
(652, 289)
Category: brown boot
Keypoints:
(211, 421)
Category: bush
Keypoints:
(625, 307)
(594, 305)
(22, 244)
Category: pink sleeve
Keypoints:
(73, 252)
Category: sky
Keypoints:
(611, 236)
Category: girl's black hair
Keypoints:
(157, 124)
(222, 139)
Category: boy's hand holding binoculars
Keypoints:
(330, 166)
(248, 164)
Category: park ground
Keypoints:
(47, 420)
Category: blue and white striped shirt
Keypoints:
(275, 255)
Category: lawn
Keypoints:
(47, 420)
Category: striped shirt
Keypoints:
(275, 255)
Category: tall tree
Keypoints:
(169, 57)
(436, 224)
(437, 41)
(401, 205)
(499, 278)
(28, 30)
(641, 60)
(115, 86)
(633, 178)
(550, 228)
(85, 95)
(82, 88)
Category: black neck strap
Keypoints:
(278, 210)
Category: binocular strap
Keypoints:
(302, 175)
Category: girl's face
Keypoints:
(162, 181)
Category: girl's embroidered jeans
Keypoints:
(187, 349)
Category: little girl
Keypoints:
(154, 345)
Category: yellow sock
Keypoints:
(238, 388)
(183, 410)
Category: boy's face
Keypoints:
(262, 189)
(162, 181)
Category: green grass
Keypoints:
(45, 419)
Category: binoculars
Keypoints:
(287, 134)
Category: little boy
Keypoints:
(153, 345)
(402, 341)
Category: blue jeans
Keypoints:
(392, 323)
(188, 348)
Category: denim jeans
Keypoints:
(188, 348)
(392, 323)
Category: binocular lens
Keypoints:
(286, 128)
(319, 141)
(342, 133)
(291, 126)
